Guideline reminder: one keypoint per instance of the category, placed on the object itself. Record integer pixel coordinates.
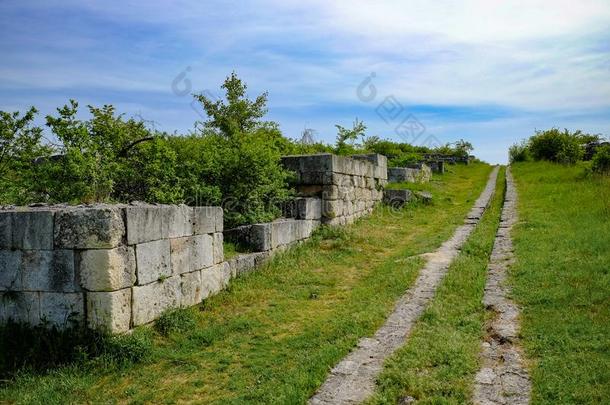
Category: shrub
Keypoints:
(519, 152)
(601, 160)
(556, 146)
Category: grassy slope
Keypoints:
(562, 281)
(440, 359)
(273, 336)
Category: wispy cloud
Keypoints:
(480, 69)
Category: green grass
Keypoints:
(274, 334)
(562, 281)
(440, 359)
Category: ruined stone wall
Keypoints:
(416, 173)
(110, 266)
(348, 187)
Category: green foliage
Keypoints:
(519, 152)
(601, 160)
(556, 146)
(175, 320)
(347, 137)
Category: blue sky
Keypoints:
(489, 72)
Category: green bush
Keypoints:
(556, 146)
(601, 160)
(519, 152)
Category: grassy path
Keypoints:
(272, 337)
(561, 279)
(440, 359)
(353, 379)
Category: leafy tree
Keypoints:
(346, 137)
(556, 146)
(601, 160)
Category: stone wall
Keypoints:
(416, 173)
(348, 187)
(111, 266)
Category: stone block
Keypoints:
(6, 235)
(89, 228)
(21, 307)
(212, 280)
(147, 223)
(32, 229)
(48, 270)
(202, 252)
(181, 251)
(260, 237)
(424, 196)
(180, 221)
(207, 220)
(308, 208)
(107, 269)
(10, 270)
(109, 310)
(153, 261)
(149, 301)
(397, 198)
(190, 285)
(282, 232)
(332, 208)
(218, 248)
(60, 309)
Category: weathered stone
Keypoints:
(181, 250)
(212, 280)
(107, 269)
(153, 261)
(260, 237)
(32, 229)
(282, 232)
(180, 221)
(218, 247)
(61, 309)
(397, 198)
(48, 270)
(191, 293)
(308, 208)
(10, 270)
(424, 196)
(149, 301)
(21, 307)
(89, 228)
(6, 235)
(109, 310)
(203, 252)
(207, 220)
(147, 223)
(332, 208)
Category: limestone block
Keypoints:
(282, 232)
(260, 237)
(308, 208)
(332, 208)
(181, 252)
(109, 310)
(6, 235)
(397, 198)
(153, 261)
(21, 307)
(48, 270)
(149, 301)
(330, 192)
(202, 252)
(32, 229)
(10, 270)
(207, 220)
(60, 309)
(180, 221)
(191, 293)
(107, 269)
(218, 247)
(89, 228)
(147, 223)
(211, 280)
